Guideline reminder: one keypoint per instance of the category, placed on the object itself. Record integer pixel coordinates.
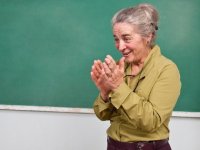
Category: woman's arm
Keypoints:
(150, 113)
(102, 109)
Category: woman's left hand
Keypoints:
(115, 72)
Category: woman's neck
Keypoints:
(136, 68)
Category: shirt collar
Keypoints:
(155, 51)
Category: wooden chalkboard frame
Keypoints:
(81, 110)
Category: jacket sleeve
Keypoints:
(103, 110)
(148, 114)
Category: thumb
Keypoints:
(121, 64)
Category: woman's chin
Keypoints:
(128, 60)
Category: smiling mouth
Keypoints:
(126, 54)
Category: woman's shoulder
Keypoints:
(163, 63)
(161, 60)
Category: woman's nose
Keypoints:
(121, 45)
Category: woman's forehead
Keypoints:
(123, 28)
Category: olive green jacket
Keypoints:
(141, 107)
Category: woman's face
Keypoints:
(131, 45)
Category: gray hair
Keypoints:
(143, 16)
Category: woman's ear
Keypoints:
(149, 39)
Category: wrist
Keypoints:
(104, 97)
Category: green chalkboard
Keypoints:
(47, 49)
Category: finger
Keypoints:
(98, 65)
(97, 68)
(107, 70)
(110, 62)
(93, 76)
(110, 57)
(121, 64)
(94, 72)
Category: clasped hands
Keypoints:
(107, 75)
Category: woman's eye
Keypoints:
(116, 40)
(127, 39)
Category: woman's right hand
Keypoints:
(99, 77)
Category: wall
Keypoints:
(28, 130)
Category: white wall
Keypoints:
(27, 130)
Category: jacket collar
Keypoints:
(155, 52)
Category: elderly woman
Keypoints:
(139, 92)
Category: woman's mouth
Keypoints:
(126, 54)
